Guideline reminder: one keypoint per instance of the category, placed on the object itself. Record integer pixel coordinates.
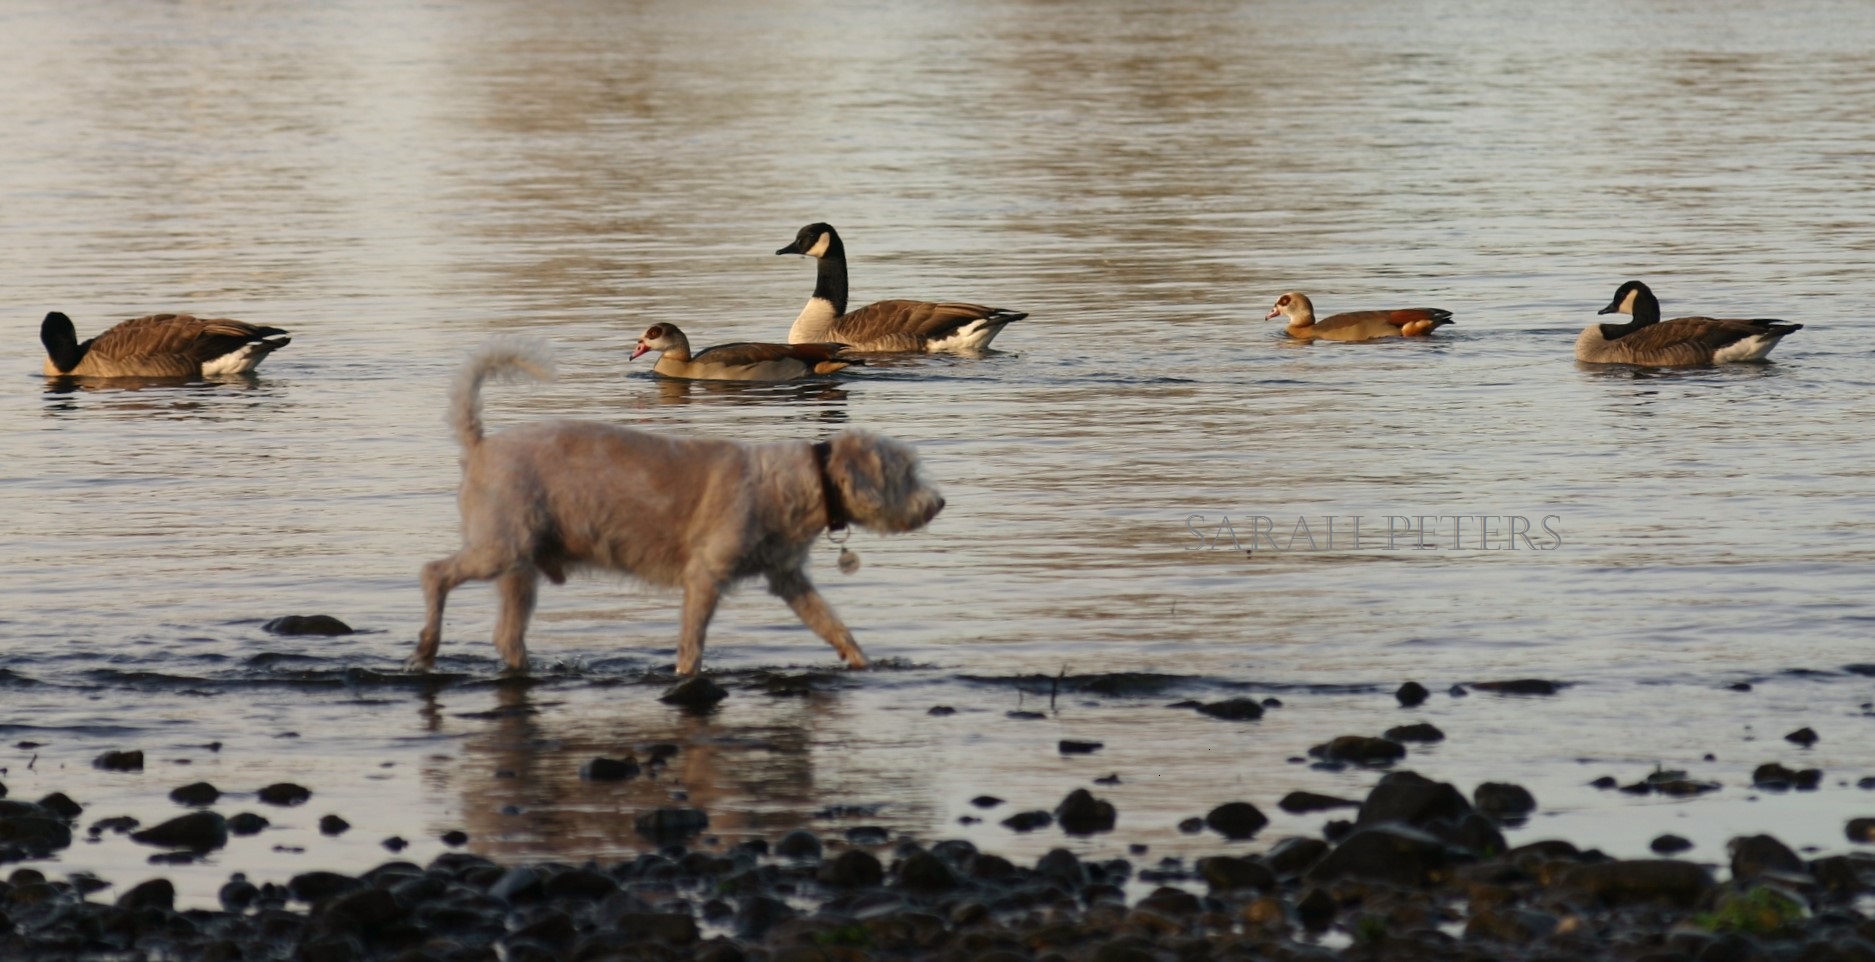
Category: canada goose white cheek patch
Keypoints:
(820, 246)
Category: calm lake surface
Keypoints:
(397, 182)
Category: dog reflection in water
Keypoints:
(697, 514)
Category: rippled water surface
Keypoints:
(397, 182)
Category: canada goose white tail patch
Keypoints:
(246, 358)
(1752, 348)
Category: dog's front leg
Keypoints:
(814, 612)
(700, 596)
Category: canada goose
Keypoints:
(738, 362)
(1680, 342)
(918, 326)
(160, 345)
(1355, 325)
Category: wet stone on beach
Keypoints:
(247, 823)
(1080, 813)
(1070, 746)
(1236, 820)
(1416, 732)
(1028, 821)
(130, 761)
(1774, 777)
(671, 824)
(285, 794)
(1302, 803)
(1359, 750)
(604, 769)
(1502, 800)
(1802, 736)
(195, 794)
(1669, 844)
(321, 625)
(1411, 694)
(1233, 709)
(196, 831)
(1520, 686)
(332, 825)
(696, 693)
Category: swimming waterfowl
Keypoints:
(1355, 325)
(740, 361)
(899, 325)
(159, 346)
(1680, 342)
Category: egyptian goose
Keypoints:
(1680, 342)
(738, 362)
(1355, 325)
(160, 345)
(905, 326)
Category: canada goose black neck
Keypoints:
(61, 340)
(830, 276)
(1637, 300)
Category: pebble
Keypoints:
(695, 692)
(196, 831)
(1411, 694)
(1236, 820)
(602, 769)
(1080, 813)
(323, 625)
(1520, 686)
(1233, 709)
(285, 794)
(130, 761)
(195, 794)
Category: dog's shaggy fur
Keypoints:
(695, 514)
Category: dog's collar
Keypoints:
(829, 492)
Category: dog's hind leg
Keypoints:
(814, 612)
(439, 579)
(700, 596)
(517, 587)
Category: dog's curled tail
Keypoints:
(501, 357)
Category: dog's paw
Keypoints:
(417, 664)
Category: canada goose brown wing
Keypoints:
(157, 335)
(1687, 340)
(928, 320)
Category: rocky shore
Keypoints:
(1419, 871)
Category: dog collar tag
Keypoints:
(849, 560)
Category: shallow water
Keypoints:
(395, 184)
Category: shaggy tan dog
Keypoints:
(695, 514)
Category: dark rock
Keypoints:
(1191, 826)
(1411, 694)
(1394, 854)
(851, 869)
(238, 894)
(1236, 820)
(36, 834)
(456, 838)
(1416, 732)
(521, 883)
(195, 794)
(1502, 800)
(1233, 709)
(1224, 873)
(247, 823)
(1474, 833)
(1335, 829)
(604, 769)
(868, 835)
(1301, 803)
(196, 831)
(1754, 855)
(395, 843)
(1774, 777)
(1802, 736)
(284, 794)
(1069, 746)
(324, 625)
(1511, 926)
(1171, 902)
(364, 911)
(671, 824)
(798, 844)
(61, 805)
(1861, 830)
(1359, 750)
(1082, 814)
(695, 692)
(1293, 856)
(1668, 882)
(584, 885)
(756, 915)
(1063, 866)
(1521, 686)
(1605, 782)
(117, 824)
(1669, 844)
(986, 801)
(1412, 799)
(131, 761)
(926, 872)
(941, 711)
(665, 928)
(314, 887)
(332, 825)
(1028, 821)
(1020, 715)
(1315, 910)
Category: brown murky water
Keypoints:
(394, 183)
